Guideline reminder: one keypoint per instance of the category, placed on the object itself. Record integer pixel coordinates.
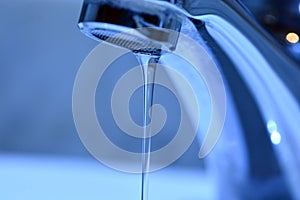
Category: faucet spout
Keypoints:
(150, 21)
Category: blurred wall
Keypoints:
(41, 51)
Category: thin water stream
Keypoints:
(148, 63)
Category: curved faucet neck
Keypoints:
(235, 14)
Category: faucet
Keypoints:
(262, 80)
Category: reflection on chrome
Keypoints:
(275, 137)
(272, 126)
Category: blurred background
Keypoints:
(281, 19)
(41, 156)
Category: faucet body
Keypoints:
(262, 79)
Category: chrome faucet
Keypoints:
(263, 81)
